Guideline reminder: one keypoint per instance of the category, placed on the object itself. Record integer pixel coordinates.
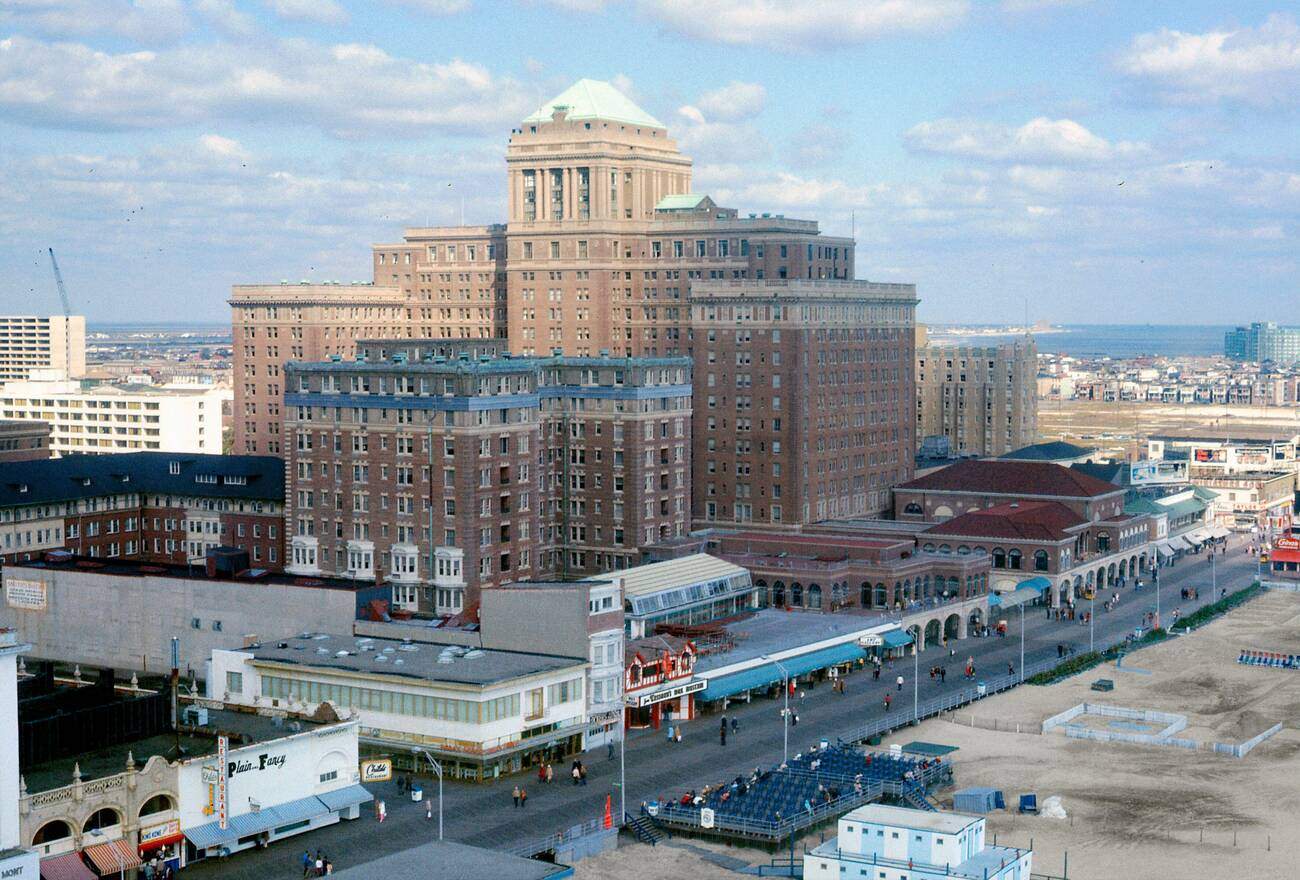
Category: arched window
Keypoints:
(52, 831)
(1013, 559)
(796, 595)
(104, 818)
(913, 509)
(999, 558)
(882, 596)
(928, 548)
(159, 803)
(1040, 560)
(945, 549)
(814, 596)
(963, 550)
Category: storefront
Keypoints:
(161, 843)
(252, 796)
(20, 864)
(664, 705)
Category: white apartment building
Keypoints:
(482, 713)
(34, 342)
(97, 419)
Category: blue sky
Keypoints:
(1098, 161)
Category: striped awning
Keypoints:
(68, 866)
(113, 857)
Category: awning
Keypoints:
(68, 866)
(1168, 549)
(770, 673)
(1188, 541)
(1284, 555)
(1218, 533)
(265, 819)
(1199, 536)
(342, 798)
(1027, 591)
(896, 638)
(113, 857)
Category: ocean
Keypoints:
(1116, 340)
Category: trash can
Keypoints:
(873, 740)
(417, 793)
(981, 689)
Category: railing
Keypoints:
(946, 702)
(550, 842)
(909, 865)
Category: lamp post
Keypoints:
(785, 713)
(1022, 642)
(916, 679)
(437, 768)
(1092, 616)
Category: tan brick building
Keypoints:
(983, 398)
(802, 394)
(603, 243)
(444, 474)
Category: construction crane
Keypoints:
(58, 279)
(67, 316)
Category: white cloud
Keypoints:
(818, 144)
(1258, 66)
(1040, 140)
(144, 21)
(225, 17)
(736, 100)
(433, 7)
(317, 11)
(224, 147)
(348, 90)
(1017, 6)
(802, 24)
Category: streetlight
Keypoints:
(1022, 642)
(1092, 616)
(437, 768)
(785, 714)
(916, 677)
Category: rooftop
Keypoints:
(683, 202)
(251, 477)
(1258, 433)
(589, 99)
(693, 569)
(905, 817)
(99, 565)
(390, 657)
(1053, 450)
(770, 631)
(1024, 520)
(242, 727)
(999, 477)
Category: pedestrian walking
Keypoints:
(514, 794)
(428, 808)
(722, 735)
(576, 773)
(735, 725)
(582, 774)
(319, 866)
(899, 682)
(1011, 670)
(794, 719)
(888, 699)
(609, 750)
(382, 809)
(306, 863)
(875, 673)
(523, 797)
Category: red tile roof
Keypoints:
(998, 477)
(1024, 520)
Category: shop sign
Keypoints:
(264, 761)
(671, 693)
(223, 746)
(377, 770)
(26, 595)
(706, 817)
(158, 835)
(1287, 544)
(871, 640)
(209, 774)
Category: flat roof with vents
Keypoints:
(452, 664)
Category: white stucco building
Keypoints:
(15, 863)
(99, 419)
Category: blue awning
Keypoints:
(342, 798)
(266, 819)
(768, 674)
(1025, 592)
(896, 638)
(1035, 583)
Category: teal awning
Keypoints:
(896, 638)
(770, 673)
(1026, 591)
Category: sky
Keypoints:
(1078, 161)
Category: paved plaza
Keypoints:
(484, 815)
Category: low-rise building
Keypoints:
(897, 843)
(658, 680)
(87, 417)
(976, 484)
(1213, 451)
(690, 590)
(66, 607)
(152, 507)
(1262, 501)
(23, 440)
(15, 860)
(481, 713)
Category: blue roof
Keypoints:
(770, 673)
(342, 798)
(896, 638)
(256, 477)
(211, 834)
(594, 99)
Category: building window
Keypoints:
(234, 682)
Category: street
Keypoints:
(484, 815)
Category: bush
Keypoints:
(1204, 615)
(1084, 662)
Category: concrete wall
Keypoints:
(128, 622)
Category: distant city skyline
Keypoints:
(1137, 164)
